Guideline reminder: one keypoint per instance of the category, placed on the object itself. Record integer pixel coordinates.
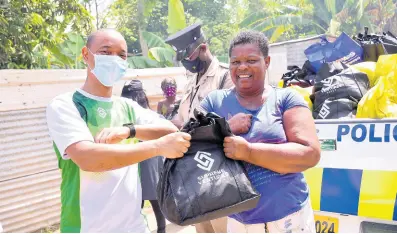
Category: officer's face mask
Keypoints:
(193, 66)
(108, 68)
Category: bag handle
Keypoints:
(223, 81)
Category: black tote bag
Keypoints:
(204, 184)
(339, 95)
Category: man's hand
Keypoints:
(173, 145)
(112, 135)
(236, 147)
(240, 123)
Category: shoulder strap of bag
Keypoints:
(223, 81)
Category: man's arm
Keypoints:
(98, 157)
(149, 124)
(154, 131)
(74, 141)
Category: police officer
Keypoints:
(204, 73)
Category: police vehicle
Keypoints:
(354, 186)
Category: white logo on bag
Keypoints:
(204, 160)
(101, 112)
(324, 111)
(328, 82)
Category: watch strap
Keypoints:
(132, 129)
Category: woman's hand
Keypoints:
(240, 123)
(236, 147)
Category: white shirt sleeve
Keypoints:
(145, 116)
(65, 125)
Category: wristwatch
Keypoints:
(132, 129)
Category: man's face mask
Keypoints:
(108, 68)
(193, 66)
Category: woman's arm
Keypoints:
(302, 151)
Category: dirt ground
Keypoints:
(151, 219)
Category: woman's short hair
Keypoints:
(251, 37)
(168, 81)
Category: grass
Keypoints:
(50, 229)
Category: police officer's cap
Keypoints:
(184, 42)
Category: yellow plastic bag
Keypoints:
(305, 92)
(280, 84)
(369, 69)
(385, 65)
(381, 100)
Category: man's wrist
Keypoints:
(156, 147)
(132, 130)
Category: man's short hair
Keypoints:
(93, 35)
(251, 37)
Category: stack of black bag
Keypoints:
(376, 45)
(301, 77)
(337, 91)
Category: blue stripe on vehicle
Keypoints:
(340, 191)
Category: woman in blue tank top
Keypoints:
(275, 138)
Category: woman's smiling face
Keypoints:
(248, 68)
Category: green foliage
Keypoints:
(219, 20)
(160, 54)
(158, 20)
(124, 15)
(32, 30)
(153, 40)
(140, 62)
(159, 51)
(50, 33)
(281, 20)
(163, 56)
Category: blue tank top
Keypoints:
(281, 194)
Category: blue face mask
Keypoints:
(108, 68)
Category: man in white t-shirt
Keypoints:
(94, 134)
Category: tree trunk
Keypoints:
(96, 15)
(141, 27)
(142, 42)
